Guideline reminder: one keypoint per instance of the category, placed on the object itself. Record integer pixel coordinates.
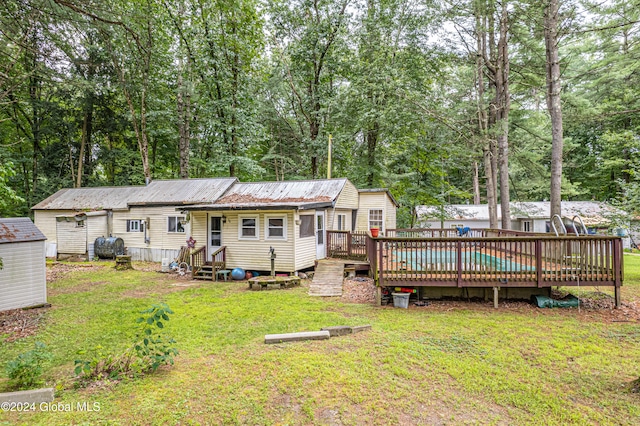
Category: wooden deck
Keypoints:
(484, 258)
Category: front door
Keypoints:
(320, 235)
(215, 235)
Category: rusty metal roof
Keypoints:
(19, 230)
(160, 192)
(297, 194)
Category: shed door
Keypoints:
(320, 235)
(215, 235)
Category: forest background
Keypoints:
(440, 101)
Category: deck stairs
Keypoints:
(327, 278)
(205, 272)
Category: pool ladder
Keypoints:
(576, 221)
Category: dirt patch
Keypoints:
(595, 306)
(57, 270)
(20, 323)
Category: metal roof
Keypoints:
(183, 191)
(299, 194)
(19, 230)
(160, 192)
(592, 212)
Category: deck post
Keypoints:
(617, 261)
(459, 262)
(496, 290)
(538, 254)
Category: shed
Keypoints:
(23, 281)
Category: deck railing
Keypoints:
(219, 258)
(531, 261)
(347, 245)
(198, 260)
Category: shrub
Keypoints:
(26, 369)
(151, 349)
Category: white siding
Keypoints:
(157, 233)
(348, 198)
(390, 213)
(375, 200)
(71, 238)
(23, 277)
(305, 248)
(45, 220)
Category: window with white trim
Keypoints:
(526, 225)
(342, 222)
(248, 228)
(459, 225)
(174, 224)
(135, 225)
(375, 218)
(276, 227)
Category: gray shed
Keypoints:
(23, 279)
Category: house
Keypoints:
(23, 281)
(597, 217)
(248, 219)
(145, 217)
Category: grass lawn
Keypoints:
(447, 363)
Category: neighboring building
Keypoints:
(247, 218)
(525, 216)
(23, 279)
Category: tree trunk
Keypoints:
(184, 118)
(476, 184)
(488, 146)
(551, 39)
(503, 104)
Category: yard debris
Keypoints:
(20, 323)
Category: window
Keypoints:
(175, 224)
(342, 222)
(375, 218)
(306, 226)
(526, 225)
(248, 228)
(276, 227)
(459, 225)
(135, 225)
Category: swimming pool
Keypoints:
(428, 259)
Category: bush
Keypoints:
(26, 369)
(151, 350)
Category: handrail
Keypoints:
(553, 225)
(219, 258)
(198, 259)
(584, 228)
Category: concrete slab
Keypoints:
(296, 337)
(360, 328)
(338, 330)
(35, 396)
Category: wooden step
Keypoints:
(327, 279)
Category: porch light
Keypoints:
(224, 219)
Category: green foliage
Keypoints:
(151, 350)
(26, 369)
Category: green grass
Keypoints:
(466, 365)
